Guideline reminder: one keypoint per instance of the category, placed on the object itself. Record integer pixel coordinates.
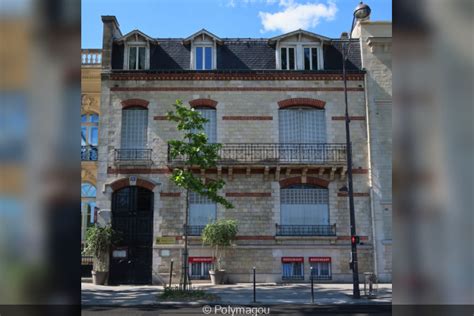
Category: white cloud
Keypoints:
(295, 16)
(231, 3)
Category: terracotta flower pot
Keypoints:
(217, 276)
(99, 277)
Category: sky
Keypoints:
(225, 18)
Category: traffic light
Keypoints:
(355, 240)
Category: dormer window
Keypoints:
(136, 50)
(287, 55)
(203, 57)
(136, 57)
(203, 50)
(299, 50)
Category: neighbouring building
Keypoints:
(90, 110)
(277, 107)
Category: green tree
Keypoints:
(193, 150)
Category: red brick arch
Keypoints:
(309, 180)
(125, 182)
(314, 103)
(135, 102)
(203, 103)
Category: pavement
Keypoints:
(235, 294)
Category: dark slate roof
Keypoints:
(242, 54)
(250, 55)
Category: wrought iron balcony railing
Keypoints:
(89, 153)
(305, 230)
(282, 153)
(195, 230)
(133, 155)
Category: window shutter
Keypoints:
(201, 210)
(304, 206)
(210, 128)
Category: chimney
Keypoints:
(110, 32)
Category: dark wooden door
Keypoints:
(132, 217)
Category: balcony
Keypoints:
(195, 230)
(278, 154)
(133, 157)
(89, 153)
(91, 57)
(305, 230)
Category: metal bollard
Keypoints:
(171, 271)
(312, 285)
(254, 286)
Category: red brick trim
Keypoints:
(229, 89)
(111, 170)
(135, 102)
(203, 76)
(160, 118)
(170, 194)
(124, 182)
(203, 103)
(247, 118)
(315, 103)
(352, 118)
(309, 180)
(356, 194)
(248, 194)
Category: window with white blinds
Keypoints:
(210, 127)
(304, 205)
(201, 210)
(302, 125)
(134, 128)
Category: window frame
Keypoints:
(203, 47)
(202, 275)
(292, 276)
(311, 48)
(318, 276)
(136, 45)
(134, 108)
(295, 57)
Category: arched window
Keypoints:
(89, 136)
(134, 127)
(201, 212)
(210, 127)
(88, 203)
(302, 125)
(303, 204)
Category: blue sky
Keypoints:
(225, 18)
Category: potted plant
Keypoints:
(219, 235)
(98, 244)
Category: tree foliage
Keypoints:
(195, 151)
(219, 235)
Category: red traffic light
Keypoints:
(355, 239)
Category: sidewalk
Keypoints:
(241, 293)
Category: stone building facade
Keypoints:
(277, 106)
(90, 111)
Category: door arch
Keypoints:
(132, 217)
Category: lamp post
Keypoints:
(362, 11)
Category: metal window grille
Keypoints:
(304, 205)
(302, 125)
(210, 127)
(134, 128)
(201, 210)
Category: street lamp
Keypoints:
(362, 11)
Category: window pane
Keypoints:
(94, 135)
(307, 65)
(210, 127)
(297, 269)
(134, 128)
(291, 53)
(83, 118)
(132, 59)
(199, 58)
(88, 190)
(141, 59)
(94, 118)
(83, 136)
(283, 58)
(208, 56)
(314, 58)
